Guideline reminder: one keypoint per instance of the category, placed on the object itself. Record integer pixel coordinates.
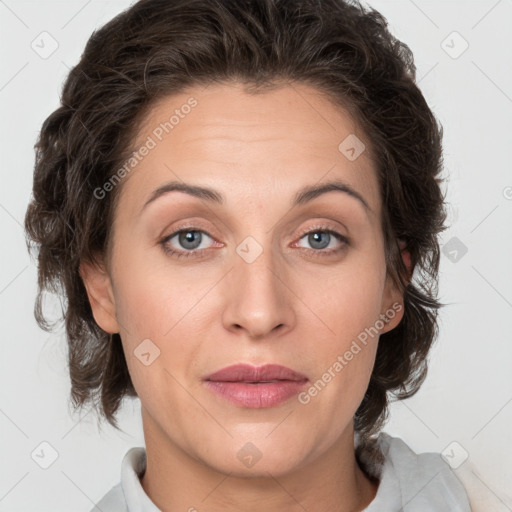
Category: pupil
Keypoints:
(188, 238)
(314, 240)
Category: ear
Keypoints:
(101, 297)
(393, 300)
(406, 257)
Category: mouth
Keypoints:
(256, 387)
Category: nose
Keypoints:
(259, 300)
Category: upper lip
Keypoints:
(249, 373)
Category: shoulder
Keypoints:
(410, 481)
(113, 501)
(128, 494)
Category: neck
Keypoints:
(174, 480)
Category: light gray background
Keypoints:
(467, 398)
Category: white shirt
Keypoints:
(408, 482)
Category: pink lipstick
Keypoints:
(256, 387)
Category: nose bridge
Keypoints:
(258, 300)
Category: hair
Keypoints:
(160, 47)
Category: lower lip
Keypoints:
(257, 396)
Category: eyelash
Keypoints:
(196, 252)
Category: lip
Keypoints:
(256, 386)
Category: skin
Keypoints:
(287, 307)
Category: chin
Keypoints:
(256, 457)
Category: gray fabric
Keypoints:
(415, 483)
(408, 482)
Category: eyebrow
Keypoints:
(303, 196)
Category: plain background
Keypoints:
(464, 408)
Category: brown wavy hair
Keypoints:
(160, 47)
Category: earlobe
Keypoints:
(394, 307)
(101, 297)
(393, 298)
(392, 316)
(406, 257)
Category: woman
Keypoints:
(233, 197)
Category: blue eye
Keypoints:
(321, 241)
(189, 239)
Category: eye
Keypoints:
(323, 240)
(192, 242)
(188, 240)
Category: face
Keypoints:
(246, 273)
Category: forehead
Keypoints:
(220, 135)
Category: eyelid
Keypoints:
(322, 227)
(183, 229)
(196, 226)
(190, 225)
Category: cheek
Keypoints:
(343, 372)
(345, 334)
(344, 302)
(153, 296)
(152, 309)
